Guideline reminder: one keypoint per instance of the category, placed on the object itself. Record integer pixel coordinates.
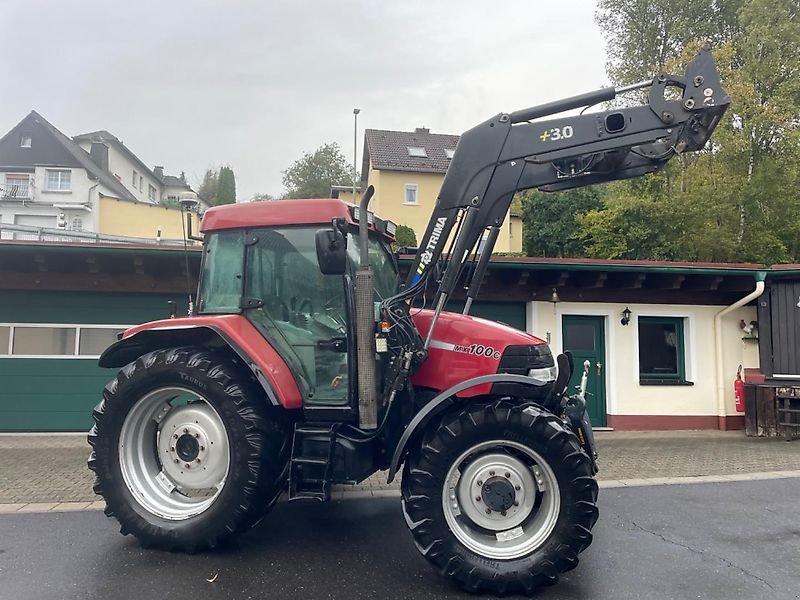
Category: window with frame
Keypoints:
(151, 193)
(411, 194)
(135, 178)
(417, 152)
(449, 154)
(18, 186)
(662, 351)
(77, 224)
(25, 141)
(141, 183)
(5, 336)
(43, 341)
(59, 180)
(56, 341)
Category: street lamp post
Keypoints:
(355, 150)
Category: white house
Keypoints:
(49, 180)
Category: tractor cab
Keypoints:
(265, 266)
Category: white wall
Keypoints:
(122, 168)
(40, 210)
(624, 395)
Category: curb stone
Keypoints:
(343, 493)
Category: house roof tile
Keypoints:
(388, 150)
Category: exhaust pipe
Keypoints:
(365, 325)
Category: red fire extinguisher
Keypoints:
(738, 390)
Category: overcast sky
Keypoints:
(191, 84)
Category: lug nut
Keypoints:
(516, 487)
(172, 448)
(202, 448)
(196, 460)
(507, 474)
(488, 511)
(175, 436)
(188, 466)
(516, 503)
(177, 461)
(477, 498)
(480, 483)
(185, 430)
(491, 473)
(502, 513)
(197, 435)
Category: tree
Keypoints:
(207, 190)
(551, 224)
(643, 35)
(262, 197)
(226, 187)
(218, 186)
(313, 175)
(739, 199)
(405, 236)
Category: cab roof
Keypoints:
(273, 213)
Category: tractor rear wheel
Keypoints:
(500, 497)
(185, 449)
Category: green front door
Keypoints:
(584, 337)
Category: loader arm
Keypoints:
(512, 152)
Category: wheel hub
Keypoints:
(498, 494)
(174, 453)
(501, 499)
(193, 449)
(187, 448)
(496, 491)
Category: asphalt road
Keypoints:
(729, 540)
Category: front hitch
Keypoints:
(573, 409)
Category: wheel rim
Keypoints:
(174, 453)
(501, 499)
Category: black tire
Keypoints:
(458, 431)
(259, 446)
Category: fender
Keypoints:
(444, 400)
(229, 331)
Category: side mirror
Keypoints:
(331, 251)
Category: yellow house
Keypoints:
(132, 218)
(407, 170)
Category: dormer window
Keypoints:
(449, 154)
(25, 141)
(417, 151)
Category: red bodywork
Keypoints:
(452, 355)
(238, 330)
(264, 214)
(292, 212)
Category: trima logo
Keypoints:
(427, 256)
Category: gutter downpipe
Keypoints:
(721, 410)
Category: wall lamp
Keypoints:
(626, 316)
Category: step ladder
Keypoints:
(310, 466)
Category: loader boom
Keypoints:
(512, 152)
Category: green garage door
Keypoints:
(510, 313)
(58, 392)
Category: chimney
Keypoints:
(422, 130)
(99, 154)
(158, 171)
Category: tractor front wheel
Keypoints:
(185, 451)
(500, 497)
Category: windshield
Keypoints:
(384, 274)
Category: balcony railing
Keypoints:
(15, 191)
(47, 234)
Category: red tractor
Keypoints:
(306, 363)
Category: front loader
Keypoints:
(307, 364)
